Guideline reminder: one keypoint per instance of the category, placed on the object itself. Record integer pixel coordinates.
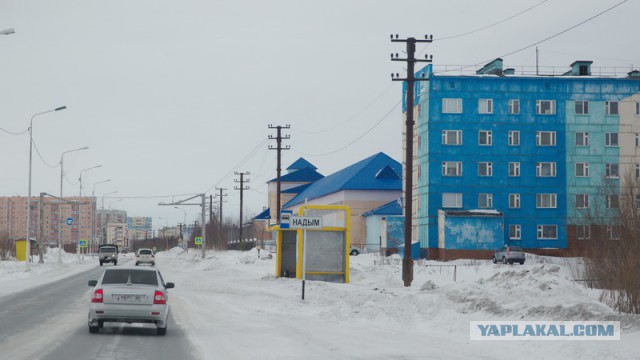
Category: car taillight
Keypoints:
(97, 296)
(508, 251)
(158, 298)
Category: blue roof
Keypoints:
(301, 164)
(296, 189)
(377, 172)
(265, 215)
(304, 175)
(391, 208)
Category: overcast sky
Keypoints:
(172, 97)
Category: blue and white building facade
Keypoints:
(544, 151)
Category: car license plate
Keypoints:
(129, 299)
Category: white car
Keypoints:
(145, 256)
(129, 295)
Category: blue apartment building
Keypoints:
(538, 154)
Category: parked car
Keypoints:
(145, 256)
(108, 253)
(130, 295)
(508, 254)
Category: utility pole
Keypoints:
(220, 201)
(242, 188)
(407, 262)
(279, 149)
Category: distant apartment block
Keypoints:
(81, 211)
(140, 227)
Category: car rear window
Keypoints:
(124, 276)
(145, 252)
(515, 248)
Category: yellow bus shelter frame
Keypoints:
(346, 229)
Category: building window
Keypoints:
(485, 138)
(485, 106)
(637, 170)
(546, 169)
(514, 201)
(611, 107)
(514, 169)
(637, 139)
(452, 106)
(612, 170)
(545, 107)
(582, 201)
(582, 107)
(515, 232)
(451, 137)
(583, 232)
(637, 201)
(546, 201)
(547, 232)
(485, 169)
(514, 138)
(514, 106)
(582, 169)
(613, 232)
(637, 108)
(582, 139)
(611, 139)
(485, 201)
(451, 168)
(613, 201)
(546, 138)
(452, 200)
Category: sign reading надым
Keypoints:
(306, 222)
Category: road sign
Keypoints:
(306, 222)
(285, 219)
(83, 243)
(69, 220)
(198, 240)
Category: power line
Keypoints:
(42, 159)
(14, 133)
(549, 37)
(240, 163)
(491, 25)
(358, 138)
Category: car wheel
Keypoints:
(137, 263)
(100, 263)
(353, 253)
(493, 259)
(93, 329)
(115, 263)
(504, 260)
(161, 331)
(522, 262)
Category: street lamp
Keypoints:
(28, 251)
(80, 207)
(7, 31)
(60, 207)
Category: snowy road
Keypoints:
(50, 322)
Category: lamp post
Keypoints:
(184, 223)
(7, 31)
(28, 250)
(80, 207)
(60, 217)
